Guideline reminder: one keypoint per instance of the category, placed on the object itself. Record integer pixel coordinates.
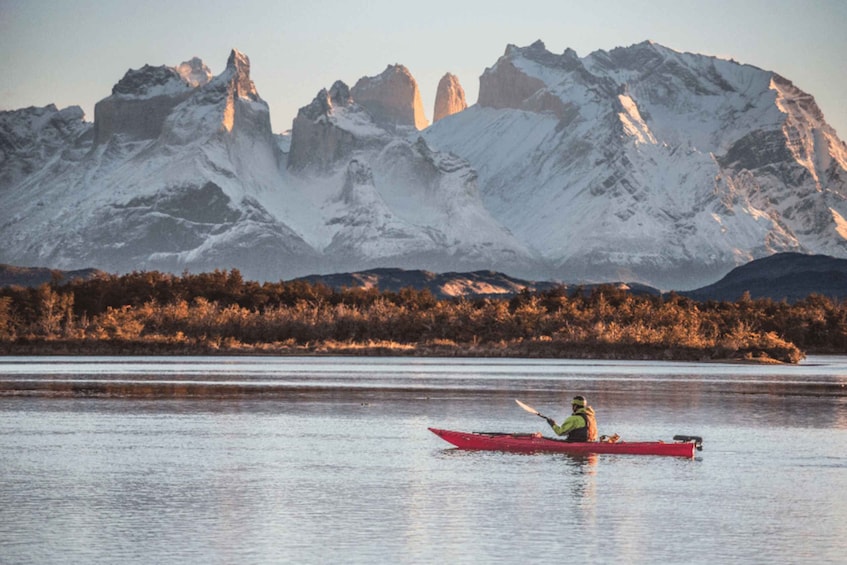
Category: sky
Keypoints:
(71, 52)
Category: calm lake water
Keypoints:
(329, 460)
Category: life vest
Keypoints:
(587, 432)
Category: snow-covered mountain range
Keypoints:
(638, 164)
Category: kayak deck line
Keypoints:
(683, 446)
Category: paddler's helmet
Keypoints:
(579, 401)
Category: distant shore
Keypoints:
(522, 349)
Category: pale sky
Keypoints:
(71, 52)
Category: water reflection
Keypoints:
(585, 490)
(274, 376)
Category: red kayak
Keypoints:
(683, 446)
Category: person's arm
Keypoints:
(570, 423)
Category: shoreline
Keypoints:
(518, 350)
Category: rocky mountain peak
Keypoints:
(238, 75)
(194, 72)
(517, 80)
(392, 98)
(234, 94)
(536, 47)
(338, 96)
(321, 105)
(317, 139)
(140, 103)
(149, 81)
(505, 85)
(449, 98)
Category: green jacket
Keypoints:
(574, 421)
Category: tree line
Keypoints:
(154, 312)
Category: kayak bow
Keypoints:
(535, 443)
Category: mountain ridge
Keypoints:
(640, 164)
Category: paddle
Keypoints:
(532, 410)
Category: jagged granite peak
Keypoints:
(651, 165)
(238, 74)
(228, 104)
(537, 52)
(337, 96)
(241, 87)
(320, 106)
(392, 98)
(330, 129)
(194, 72)
(449, 98)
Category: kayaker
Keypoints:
(581, 425)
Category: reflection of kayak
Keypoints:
(683, 446)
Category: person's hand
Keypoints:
(551, 421)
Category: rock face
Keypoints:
(506, 85)
(139, 104)
(449, 98)
(244, 108)
(392, 98)
(319, 141)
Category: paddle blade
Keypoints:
(528, 408)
